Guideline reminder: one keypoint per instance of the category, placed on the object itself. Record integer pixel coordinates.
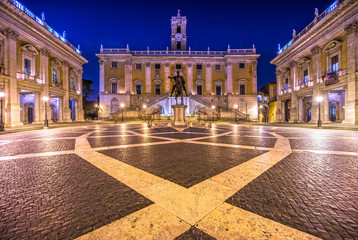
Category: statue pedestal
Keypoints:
(179, 115)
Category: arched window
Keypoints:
(56, 69)
(179, 29)
(259, 98)
(218, 88)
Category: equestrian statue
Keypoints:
(178, 87)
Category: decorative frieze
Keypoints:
(351, 28)
(11, 34)
(315, 50)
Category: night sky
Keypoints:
(241, 24)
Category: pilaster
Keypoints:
(294, 104)
(278, 81)
(228, 84)
(254, 77)
(208, 79)
(148, 82)
(316, 64)
(166, 78)
(101, 75)
(128, 77)
(325, 108)
(190, 78)
(300, 110)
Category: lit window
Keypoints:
(178, 66)
(218, 90)
(138, 89)
(242, 65)
(114, 64)
(138, 66)
(305, 76)
(265, 99)
(157, 89)
(259, 98)
(286, 83)
(27, 66)
(199, 66)
(114, 87)
(199, 90)
(72, 83)
(335, 66)
(54, 76)
(156, 66)
(217, 67)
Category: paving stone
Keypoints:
(306, 181)
(239, 140)
(194, 234)
(183, 163)
(122, 140)
(61, 197)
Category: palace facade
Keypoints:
(321, 60)
(37, 62)
(223, 79)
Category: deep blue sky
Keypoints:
(147, 23)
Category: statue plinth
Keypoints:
(179, 115)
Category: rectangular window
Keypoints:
(138, 66)
(265, 99)
(305, 76)
(54, 76)
(199, 66)
(114, 64)
(72, 83)
(114, 87)
(178, 66)
(27, 66)
(286, 83)
(218, 90)
(199, 90)
(138, 89)
(156, 66)
(242, 90)
(217, 67)
(334, 61)
(242, 65)
(157, 89)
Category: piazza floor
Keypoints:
(126, 181)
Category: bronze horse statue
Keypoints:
(178, 88)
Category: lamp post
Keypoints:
(213, 108)
(2, 127)
(319, 100)
(45, 121)
(145, 112)
(235, 109)
(122, 107)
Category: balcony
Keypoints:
(332, 77)
(305, 85)
(30, 78)
(286, 90)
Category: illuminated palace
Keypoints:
(213, 78)
(321, 61)
(37, 64)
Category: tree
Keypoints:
(88, 104)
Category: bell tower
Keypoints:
(178, 38)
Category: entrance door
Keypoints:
(30, 116)
(308, 115)
(332, 113)
(287, 110)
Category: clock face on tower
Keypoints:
(178, 36)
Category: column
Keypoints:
(128, 76)
(148, 82)
(60, 109)
(66, 112)
(208, 79)
(316, 64)
(254, 77)
(283, 111)
(294, 104)
(325, 108)
(190, 78)
(44, 53)
(166, 78)
(101, 75)
(278, 81)
(12, 94)
(38, 109)
(351, 110)
(229, 78)
(278, 110)
(314, 108)
(79, 103)
(300, 110)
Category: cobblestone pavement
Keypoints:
(126, 181)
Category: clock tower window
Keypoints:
(178, 29)
(178, 46)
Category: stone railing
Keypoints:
(178, 53)
(30, 78)
(305, 84)
(286, 90)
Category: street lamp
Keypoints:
(122, 107)
(235, 107)
(2, 127)
(213, 108)
(145, 111)
(319, 100)
(46, 121)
